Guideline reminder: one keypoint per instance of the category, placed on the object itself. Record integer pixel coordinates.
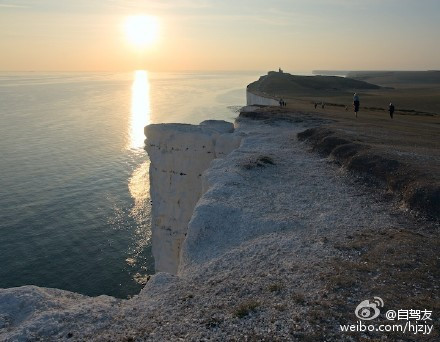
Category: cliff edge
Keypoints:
(179, 154)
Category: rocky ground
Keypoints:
(282, 247)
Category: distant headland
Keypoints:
(412, 92)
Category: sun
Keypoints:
(141, 30)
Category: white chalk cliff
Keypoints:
(253, 99)
(179, 154)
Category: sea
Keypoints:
(74, 184)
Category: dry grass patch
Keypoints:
(246, 308)
(400, 266)
(257, 161)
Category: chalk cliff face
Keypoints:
(179, 154)
(253, 99)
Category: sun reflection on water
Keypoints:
(138, 183)
(137, 257)
(140, 108)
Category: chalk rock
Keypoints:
(179, 154)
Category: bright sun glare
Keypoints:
(141, 30)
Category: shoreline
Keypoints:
(283, 244)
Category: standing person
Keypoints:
(391, 110)
(356, 103)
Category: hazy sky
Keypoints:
(301, 35)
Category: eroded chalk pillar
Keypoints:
(179, 153)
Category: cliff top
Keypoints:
(395, 78)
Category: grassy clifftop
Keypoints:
(395, 78)
(286, 84)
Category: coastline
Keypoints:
(281, 245)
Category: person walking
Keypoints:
(391, 110)
(356, 103)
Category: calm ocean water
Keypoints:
(74, 190)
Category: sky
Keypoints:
(296, 35)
